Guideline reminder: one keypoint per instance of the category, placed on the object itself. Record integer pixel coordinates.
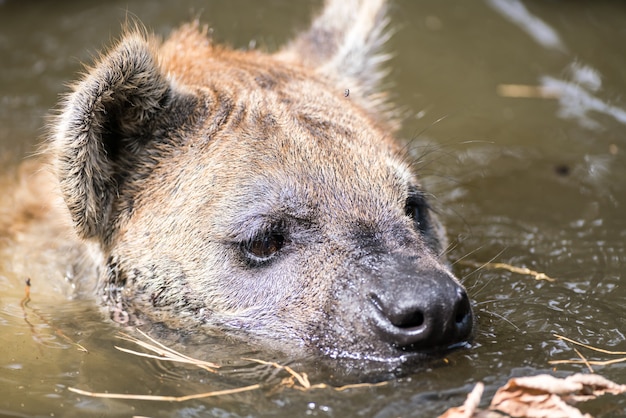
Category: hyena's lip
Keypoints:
(399, 356)
(373, 367)
(435, 352)
(440, 350)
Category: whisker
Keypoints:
(478, 269)
(503, 319)
(484, 302)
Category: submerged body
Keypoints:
(198, 186)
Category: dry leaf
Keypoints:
(468, 409)
(593, 385)
(546, 396)
(541, 396)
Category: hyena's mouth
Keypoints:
(371, 367)
(392, 345)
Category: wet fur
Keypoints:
(168, 155)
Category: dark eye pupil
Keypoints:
(266, 246)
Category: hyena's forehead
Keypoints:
(324, 189)
(311, 136)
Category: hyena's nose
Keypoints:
(436, 318)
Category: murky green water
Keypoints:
(532, 182)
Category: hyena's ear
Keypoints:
(103, 123)
(344, 44)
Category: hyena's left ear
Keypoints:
(344, 44)
(106, 133)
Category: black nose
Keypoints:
(437, 318)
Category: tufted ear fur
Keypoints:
(344, 44)
(102, 124)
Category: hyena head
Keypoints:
(259, 193)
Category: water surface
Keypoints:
(531, 182)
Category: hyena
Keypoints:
(203, 187)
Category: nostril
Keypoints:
(400, 319)
(412, 319)
(422, 323)
(460, 316)
(463, 312)
(462, 309)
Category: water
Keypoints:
(532, 182)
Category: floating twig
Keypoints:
(528, 91)
(165, 398)
(163, 352)
(35, 333)
(303, 379)
(584, 360)
(592, 362)
(590, 347)
(513, 269)
(26, 297)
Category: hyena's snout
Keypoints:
(417, 308)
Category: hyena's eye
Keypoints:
(263, 248)
(416, 208)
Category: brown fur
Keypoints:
(174, 159)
